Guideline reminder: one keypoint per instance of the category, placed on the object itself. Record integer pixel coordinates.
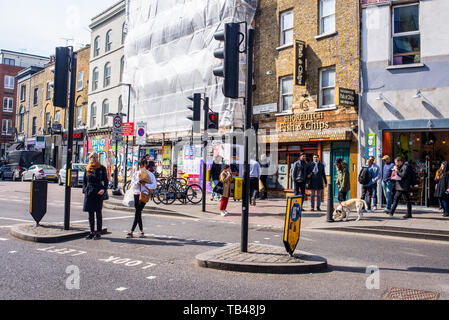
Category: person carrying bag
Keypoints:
(143, 183)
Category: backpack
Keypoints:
(364, 176)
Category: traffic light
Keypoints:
(212, 121)
(61, 80)
(196, 108)
(230, 55)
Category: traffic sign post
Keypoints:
(292, 228)
(117, 128)
(141, 136)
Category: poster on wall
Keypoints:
(166, 161)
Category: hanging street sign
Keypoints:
(141, 136)
(128, 129)
(293, 217)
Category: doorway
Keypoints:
(338, 150)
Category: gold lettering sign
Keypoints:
(302, 121)
(300, 63)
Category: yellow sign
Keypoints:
(238, 189)
(292, 227)
(302, 121)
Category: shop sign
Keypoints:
(345, 97)
(302, 121)
(265, 108)
(300, 63)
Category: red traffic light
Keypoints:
(212, 117)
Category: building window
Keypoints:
(36, 92)
(57, 116)
(107, 74)
(79, 116)
(124, 31)
(104, 112)
(122, 68)
(34, 128)
(23, 91)
(6, 127)
(9, 62)
(21, 119)
(48, 122)
(286, 28)
(327, 88)
(97, 46)
(327, 16)
(406, 34)
(48, 92)
(95, 79)
(93, 115)
(108, 44)
(80, 81)
(9, 82)
(8, 104)
(286, 93)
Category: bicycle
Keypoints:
(168, 193)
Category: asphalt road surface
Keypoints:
(162, 265)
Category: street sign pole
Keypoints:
(70, 140)
(206, 114)
(127, 138)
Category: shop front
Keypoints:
(422, 143)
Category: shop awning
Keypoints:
(334, 134)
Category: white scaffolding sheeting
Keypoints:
(169, 54)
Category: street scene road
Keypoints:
(162, 265)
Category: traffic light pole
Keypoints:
(70, 140)
(127, 139)
(205, 137)
(248, 124)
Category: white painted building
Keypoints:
(20, 59)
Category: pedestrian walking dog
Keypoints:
(344, 209)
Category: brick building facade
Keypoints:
(307, 84)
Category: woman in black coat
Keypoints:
(442, 188)
(95, 186)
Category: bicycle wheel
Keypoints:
(155, 197)
(194, 194)
(166, 194)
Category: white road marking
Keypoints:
(19, 220)
(3, 239)
(12, 251)
(116, 218)
(151, 277)
(266, 238)
(121, 289)
(6, 227)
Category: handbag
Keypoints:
(145, 197)
(394, 176)
(106, 195)
(219, 188)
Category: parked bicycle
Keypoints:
(180, 190)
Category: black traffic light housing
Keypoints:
(213, 120)
(61, 80)
(230, 55)
(196, 108)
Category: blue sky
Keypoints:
(38, 26)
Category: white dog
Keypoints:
(344, 209)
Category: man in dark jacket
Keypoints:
(215, 171)
(402, 176)
(316, 180)
(299, 176)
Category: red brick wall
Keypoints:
(6, 70)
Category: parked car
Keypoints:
(40, 172)
(12, 172)
(81, 167)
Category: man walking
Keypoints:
(299, 176)
(387, 184)
(254, 175)
(215, 171)
(402, 176)
(317, 181)
(342, 181)
(377, 175)
(366, 179)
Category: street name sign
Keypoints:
(292, 228)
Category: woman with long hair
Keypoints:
(442, 188)
(226, 178)
(95, 186)
(143, 181)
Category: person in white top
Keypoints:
(142, 181)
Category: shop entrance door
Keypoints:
(339, 150)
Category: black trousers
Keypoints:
(367, 191)
(264, 194)
(300, 189)
(405, 196)
(254, 187)
(342, 196)
(99, 216)
(138, 213)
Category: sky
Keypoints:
(38, 26)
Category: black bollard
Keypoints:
(330, 203)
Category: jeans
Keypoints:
(445, 204)
(318, 198)
(92, 221)
(387, 186)
(374, 186)
(138, 214)
(367, 191)
(300, 189)
(214, 194)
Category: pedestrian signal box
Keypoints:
(292, 227)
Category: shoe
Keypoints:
(406, 217)
(90, 236)
(374, 208)
(387, 210)
(142, 235)
(445, 214)
(370, 211)
(130, 235)
(318, 209)
(312, 209)
(97, 236)
(224, 213)
(212, 199)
